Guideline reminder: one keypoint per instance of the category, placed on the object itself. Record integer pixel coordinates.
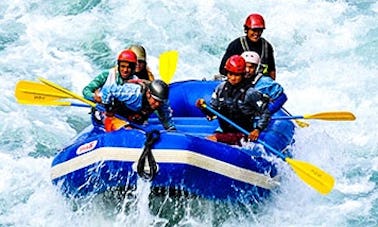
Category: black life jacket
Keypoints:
(230, 98)
(264, 48)
(263, 55)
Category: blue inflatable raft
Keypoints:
(182, 161)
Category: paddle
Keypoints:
(35, 93)
(30, 90)
(51, 103)
(310, 174)
(167, 65)
(300, 123)
(326, 116)
(68, 93)
(90, 103)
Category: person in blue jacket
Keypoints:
(237, 100)
(263, 82)
(136, 102)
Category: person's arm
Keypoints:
(256, 104)
(165, 116)
(116, 96)
(96, 83)
(264, 119)
(209, 115)
(214, 102)
(128, 93)
(262, 123)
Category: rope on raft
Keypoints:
(148, 172)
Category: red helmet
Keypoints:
(235, 64)
(127, 55)
(255, 21)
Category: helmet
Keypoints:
(251, 57)
(139, 51)
(235, 64)
(159, 90)
(127, 55)
(255, 21)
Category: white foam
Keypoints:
(326, 60)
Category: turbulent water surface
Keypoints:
(326, 55)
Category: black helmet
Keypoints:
(159, 90)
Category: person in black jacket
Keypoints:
(237, 100)
(253, 27)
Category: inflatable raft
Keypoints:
(183, 161)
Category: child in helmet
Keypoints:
(253, 27)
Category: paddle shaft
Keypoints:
(279, 154)
(34, 93)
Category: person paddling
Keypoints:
(240, 102)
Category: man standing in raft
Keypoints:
(253, 27)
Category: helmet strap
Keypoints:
(245, 29)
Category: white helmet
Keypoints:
(251, 57)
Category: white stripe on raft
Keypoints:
(164, 156)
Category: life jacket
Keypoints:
(112, 77)
(263, 54)
(230, 99)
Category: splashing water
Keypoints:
(326, 60)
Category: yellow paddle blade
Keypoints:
(44, 102)
(70, 94)
(312, 175)
(31, 92)
(332, 116)
(167, 65)
(302, 124)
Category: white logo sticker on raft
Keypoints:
(86, 147)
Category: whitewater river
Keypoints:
(326, 56)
